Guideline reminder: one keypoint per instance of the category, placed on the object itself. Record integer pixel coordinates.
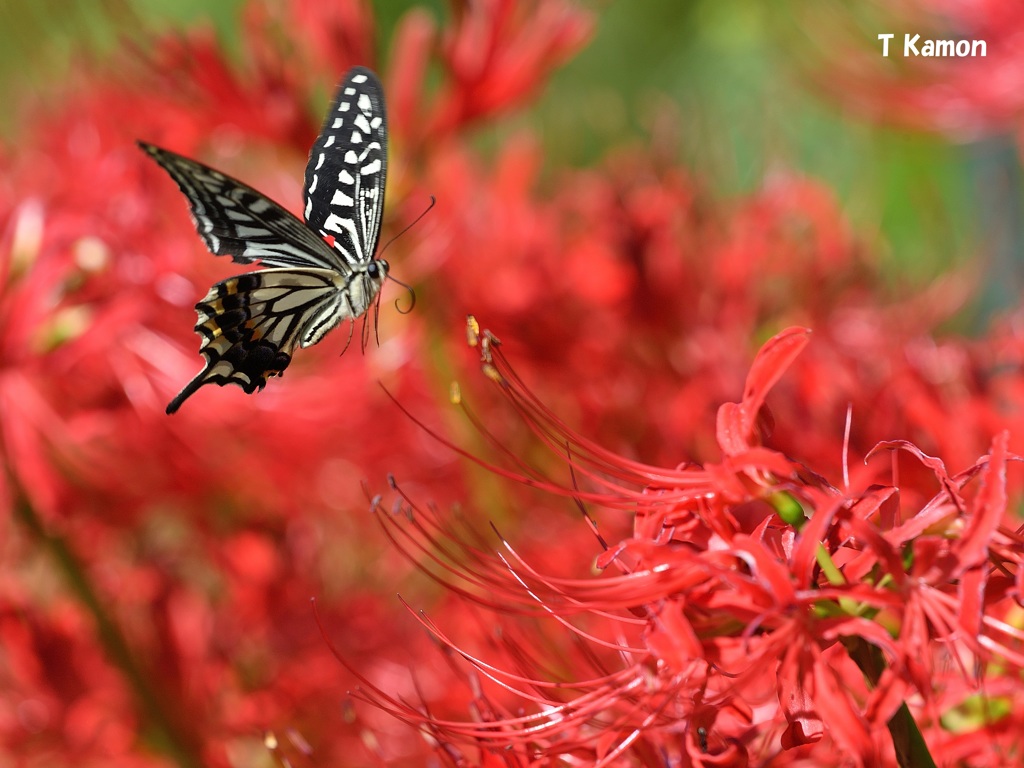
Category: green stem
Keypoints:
(907, 741)
(167, 734)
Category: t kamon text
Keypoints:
(913, 45)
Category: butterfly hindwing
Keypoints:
(251, 324)
(347, 170)
(235, 220)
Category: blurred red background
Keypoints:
(157, 572)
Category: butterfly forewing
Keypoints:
(235, 220)
(347, 170)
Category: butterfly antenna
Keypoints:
(412, 296)
(415, 221)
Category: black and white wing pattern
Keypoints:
(348, 167)
(321, 272)
(235, 220)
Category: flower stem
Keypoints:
(165, 732)
(907, 741)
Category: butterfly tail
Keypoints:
(187, 391)
(246, 339)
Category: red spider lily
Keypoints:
(499, 51)
(733, 632)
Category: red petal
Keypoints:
(933, 463)
(771, 362)
(736, 421)
(767, 569)
(732, 429)
(845, 723)
(972, 600)
(989, 507)
(811, 537)
(672, 638)
(805, 727)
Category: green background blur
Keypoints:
(917, 201)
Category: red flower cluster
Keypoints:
(154, 605)
(755, 612)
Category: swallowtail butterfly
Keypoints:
(319, 272)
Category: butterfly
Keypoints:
(318, 272)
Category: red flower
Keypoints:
(730, 621)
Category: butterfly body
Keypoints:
(319, 273)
